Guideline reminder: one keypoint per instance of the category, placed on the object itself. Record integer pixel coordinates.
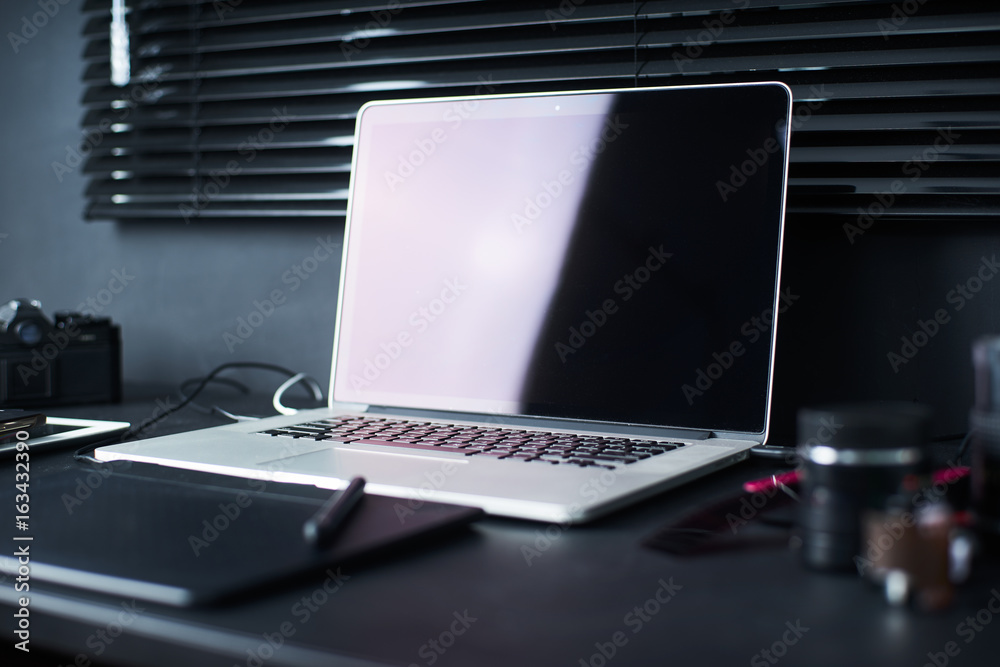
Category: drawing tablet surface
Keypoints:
(185, 544)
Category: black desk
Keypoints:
(475, 599)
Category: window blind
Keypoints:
(240, 110)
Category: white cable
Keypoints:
(298, 377)
(234, 417)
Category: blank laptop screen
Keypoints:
(606, 256)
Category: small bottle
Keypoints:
(906, 547)
(984, 423)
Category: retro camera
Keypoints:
(75, 359)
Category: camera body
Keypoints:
(75, 359)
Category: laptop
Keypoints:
(550, 305)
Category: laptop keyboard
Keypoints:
(501, 443)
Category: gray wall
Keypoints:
(858, 301)
(186, 285)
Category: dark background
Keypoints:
(192, 282)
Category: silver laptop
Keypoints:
(550, 306)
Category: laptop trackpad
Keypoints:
(395, 467)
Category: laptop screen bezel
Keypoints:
(523, 419)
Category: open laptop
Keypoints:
(551, 305)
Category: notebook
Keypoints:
(557, 303)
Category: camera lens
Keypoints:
(854, 457)
(29, 333)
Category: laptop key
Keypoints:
(553, 448)
(291, 433)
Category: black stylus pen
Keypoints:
(322, 527)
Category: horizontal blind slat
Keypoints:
(874, 86)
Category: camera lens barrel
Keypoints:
(854, 457)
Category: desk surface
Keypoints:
(507, 592)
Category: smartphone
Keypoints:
(12, 421)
